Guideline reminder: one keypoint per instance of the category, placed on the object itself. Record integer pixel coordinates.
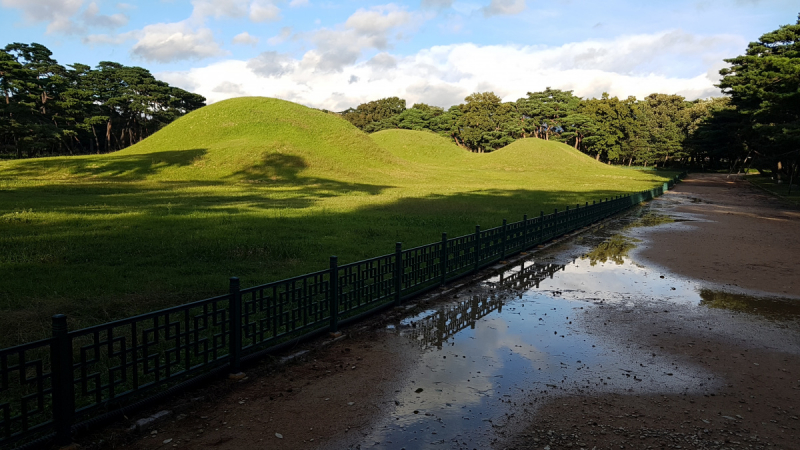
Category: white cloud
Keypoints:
(444, 75)
(93, 18)
(232, 89)
(436, 3)
(245, 38)
(504, 7)
(297, 3)
(65, 16)
(372, 28)
(108, 39)
(284, 34)
(271, 64)
(219, 8)
(57, 13)
(256, 10)
(166, 42)
(263, 11)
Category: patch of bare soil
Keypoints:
(333, 389)
(744, 239)
(756, 363)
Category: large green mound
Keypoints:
(251, 138)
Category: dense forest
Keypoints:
(48, 109)
(755, 124)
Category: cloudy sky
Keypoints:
(336, 55)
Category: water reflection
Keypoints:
(614, 250)
(651, 219)
(489, 357)
(501, 353)
(438, 326)
(771, 308)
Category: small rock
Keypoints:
(167, 441)
(278, 435)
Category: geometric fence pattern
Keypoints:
(48, 386)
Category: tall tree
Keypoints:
(545, 113)
(764, 85)
(372, 116)
(49, 109)
(487, 123)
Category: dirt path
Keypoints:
(738, 239)
(336, 395)
(744, 237)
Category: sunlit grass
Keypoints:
(257, 188)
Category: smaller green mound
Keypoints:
(532, 154)
(421, 146)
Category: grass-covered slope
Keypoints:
(248, 138)
(257, 188)
(421, 147)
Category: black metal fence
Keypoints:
(50, 388)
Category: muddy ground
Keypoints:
(745, 361)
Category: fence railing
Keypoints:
(50, 388)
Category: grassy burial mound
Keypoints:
(243, 139)
(257, 188)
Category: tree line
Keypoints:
(755, 124)
(48, 109)
(646, 132)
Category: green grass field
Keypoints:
(257, 188)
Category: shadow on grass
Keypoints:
(120, 167)
(121, 250)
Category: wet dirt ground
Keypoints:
(603, 340)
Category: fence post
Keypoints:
(525, 232)
(477, 246)
(398, 272)
(443, 258)
(503, 247)
(235, 320)
(334, 294)
(540, 239)
(555, 230)
(586, 220)
(63, 384)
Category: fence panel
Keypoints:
(275, 310)
(114, 360)
(515, 236)
(461, 254)
(366, 283)
(26, 403)
(421, 267)
(491, 245)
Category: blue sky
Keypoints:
(338, 54)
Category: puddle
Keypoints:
(771, 308)
(512, 345)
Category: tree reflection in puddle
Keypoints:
(769, 307)
(501, 353)
(498, 354)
